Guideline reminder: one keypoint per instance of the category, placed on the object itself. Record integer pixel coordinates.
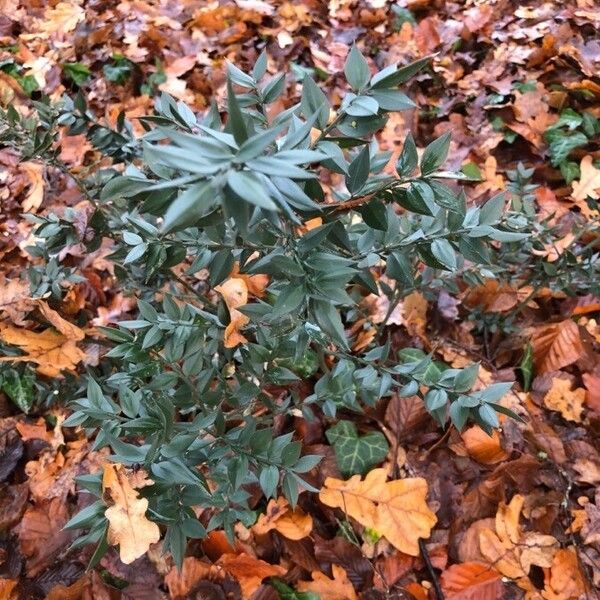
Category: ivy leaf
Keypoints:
(356, 454)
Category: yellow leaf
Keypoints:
(395, 509)
(338, 588)
(569, 403)
(51, 351)
(589, 182)
(292, 524)
(128, 525)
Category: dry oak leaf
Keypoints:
(234, 292)
(556, 346)
(482, 447)
(569, 403)
(472, 581)
(181, 582)
(232, 336)
(512, 551)
(564, 581)
(589, 182)
(338, 588)
(128, 525)
(494, 297)
(249, 571)
(50, 350)
(395, 509)
(292, 524)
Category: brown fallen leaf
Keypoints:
(35, 195)
(482, 447)
(395, 509)
(68, 329)
(589, 181)
(249, 571)
(556, 346)
(15, 300)
(292, 524)
(128, 525)
(564, 580)
(472, 581)
(568, 402)
(41, 534)
(180, 583)
(338, 588)
(512, 551)
(50, 350)
(7, 589)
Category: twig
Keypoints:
(434, 579)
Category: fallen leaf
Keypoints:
(338, 588)
(512, 551)
(292, 524)
(556, 346)
(395, 509)
(51, 351)
(589, 181)
(234, 292)
(7, 589)
(35, 195)
(128, 525)
(68, 329)
(15, 300)
(249, 571)
(568, 402)
(472, 581)
(41, 534)
(565, 579)
(232, 336)
(484, 448)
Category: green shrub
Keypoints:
(174, 393)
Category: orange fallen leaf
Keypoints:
(556, 345)
(512, 551)
(561, 398)
(249, 571)
(232, 336)
(553, 251)
(395, 509)
(292, 524)
(128, 525)
(68, 329)
(181, 582)
(50, 350)
(234, 292)
(564, 580)
(7, 589)
(472, 581)
(589, 181)
(338, 588)
(482, 447)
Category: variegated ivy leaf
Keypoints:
(356, 454)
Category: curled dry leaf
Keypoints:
(512, 551)
(128, 525)
(568, 402)
(338, 588)
(35, 195)
(292, 524)
(395, 509)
